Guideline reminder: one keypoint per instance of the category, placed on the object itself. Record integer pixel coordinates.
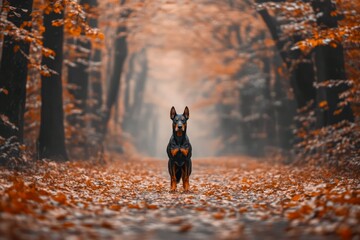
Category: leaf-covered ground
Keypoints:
(230, 198)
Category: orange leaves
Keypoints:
(337, 112)
(185, 228)
(48, 53)
(218, 215)
(296, 197)
(57, 23)
(243, 210)
(76, 21)
(332, 37)
(323, 104)
(344, 232)
(60, 198)
(115, 207)
(293, 215)
(133, 206)
(133, 196)
(152, 206)
(300, 213)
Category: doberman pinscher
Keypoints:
(179, 150)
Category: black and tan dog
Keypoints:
(179, 150)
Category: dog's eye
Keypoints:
(182, 118)
(176, 118)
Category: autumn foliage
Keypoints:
(229, 198)
(277, 80)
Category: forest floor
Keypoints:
(230, 198)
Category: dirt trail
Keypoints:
(230, 198)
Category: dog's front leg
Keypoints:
(174, 151)
(173, 178)
(184, 151)
(185, 177)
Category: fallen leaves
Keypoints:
(60, 198)
(185, 227)
(229, 198)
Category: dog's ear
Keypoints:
(186, 113)
(172, 113)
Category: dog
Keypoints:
(179, 151)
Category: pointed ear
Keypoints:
(186, 113)
(172, 113)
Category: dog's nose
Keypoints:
(180, 126)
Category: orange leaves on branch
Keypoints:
(48, 53)
(76, 21)
(323, 104)
(57, 22)
(337, 112)
(348, 35)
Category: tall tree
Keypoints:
(95, 78)
(52, 137)
(131, 121)
(329, 62)
(302, 73)
(121, 50)
(13, 73)
(79, 76)
(128, 78)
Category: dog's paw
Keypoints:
(172, 191)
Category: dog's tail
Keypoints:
(178, 174)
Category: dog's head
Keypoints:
(179, 121)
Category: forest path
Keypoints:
(230, 198)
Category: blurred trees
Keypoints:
(120, 54)
(84, 86)
(46, 39)
(310, 36)
(329, 64)
(52, 136)
(13, 74)
(254, 70)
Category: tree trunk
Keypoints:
(95, 95)
(78, 76)
(302, 76)
(129, 75)
(114, 83)
(13, 74)
(138, 93)
(51, 138)
(128, 79)
(330, 66)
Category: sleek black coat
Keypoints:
(179, 159)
